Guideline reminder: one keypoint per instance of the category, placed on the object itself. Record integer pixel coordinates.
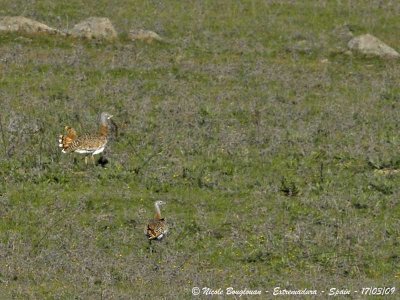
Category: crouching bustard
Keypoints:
(86, 143)
(157, 227)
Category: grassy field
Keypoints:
(277, 154)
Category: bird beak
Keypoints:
(110, 117)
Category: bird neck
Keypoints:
(103, 129)
(158, 213)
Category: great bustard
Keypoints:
(157, 227)
(93, 143)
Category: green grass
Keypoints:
(277, 167)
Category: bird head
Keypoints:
(159, 203)
(104, 117)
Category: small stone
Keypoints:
(94, 28)
(25, 25)
(147, 36)
(369, 45)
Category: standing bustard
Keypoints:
(157, 228)
(86, 143)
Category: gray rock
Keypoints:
(147, 36)
(94, 28)
(25, 25)
(369, 45)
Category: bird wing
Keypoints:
(65, 141)
(88, 142)
(155, 228)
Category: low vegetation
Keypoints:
(277, 163)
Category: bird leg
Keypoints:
(86, 160)
(93, 161)
(150, 247)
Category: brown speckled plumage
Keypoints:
(86, 143)
(157, 228)
(68, 139)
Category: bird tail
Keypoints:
(65, 141)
